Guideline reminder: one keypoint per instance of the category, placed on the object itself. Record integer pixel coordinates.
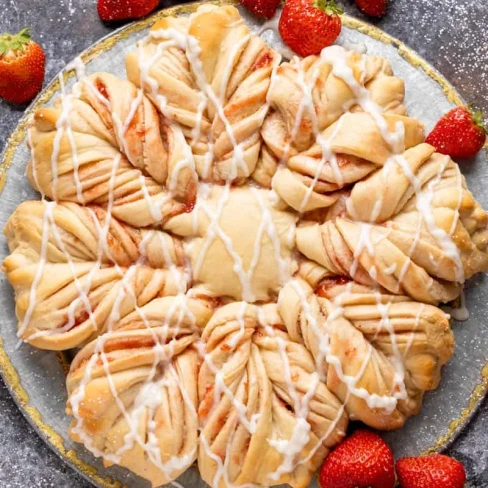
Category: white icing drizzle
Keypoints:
(63, 124)
(233, 341)
(400, 392)
(123, 127)
(213, 231)
(364, 244)
(424, 206)
(78, 66)
(38, 275)
(290, 448)
(149, 397)
(460, 313)
(268, 225)
(187, 161)
(220, 388)
(222, 472)
(155, 211)
(327, 156)
(415, 328)
(176, 484)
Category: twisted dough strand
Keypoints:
(76, 233)
(362, 339)
(99, 156)
(253, 407)
(212, 77)
(138, 407)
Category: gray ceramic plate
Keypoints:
(36, 378)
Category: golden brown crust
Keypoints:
(153, 372)
(258, 363)
(372, 337)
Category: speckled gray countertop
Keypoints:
(451, 34)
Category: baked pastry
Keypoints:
(82, 263)
(138, 407)
(248, 253)
(378, 355)
(111, 150)
(412, 227)
(213, 79)
(260, 397)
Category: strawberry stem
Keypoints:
(330, 7)
(477, 116)
(14, 42)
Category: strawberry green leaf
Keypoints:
(15, 42)
(477, 116)
(25, 32)
(330, 7)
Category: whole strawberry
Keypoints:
(307, 26)
(262, 8)
(22, 63)
(363, 460)
(115, 10)
(459, 133)
(374, 8)
(435, 471)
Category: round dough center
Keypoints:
(239, 243)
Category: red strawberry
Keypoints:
(22, 64)
(459, 133)
(262, 8)
(375, 8)
(435, 471)
(113, 10)
(309, 27)
(363, 460)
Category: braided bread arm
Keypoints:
(133, 392)
(213, 81)
(267, 418)
(76, 233)
(431, 214)
(162, 153)
(378, 352)
(422, 333)
(60, 306)
(88, 149)
(371, 254)
(345, 153)
(307, 97)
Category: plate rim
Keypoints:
(7, 370)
